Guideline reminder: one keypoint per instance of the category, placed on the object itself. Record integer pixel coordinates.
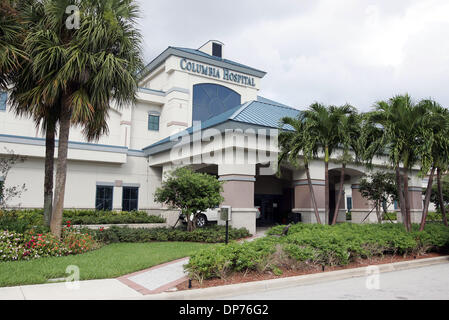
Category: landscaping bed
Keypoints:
(312, 247)
(210, 234)
(22, 220)
(31, 245)
(252, 276)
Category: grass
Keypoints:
(110, 261)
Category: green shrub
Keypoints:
(434, 216)
(318, 245)
(24, 220)
(212, 234)
(392, 215)
(219, 261)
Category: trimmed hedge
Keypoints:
(23, 220)
(109, 217)
(315, 245)
(392, 215)
(431, 216)
(212, 234)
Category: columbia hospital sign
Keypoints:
(218, 73)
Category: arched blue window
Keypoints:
(210, 100)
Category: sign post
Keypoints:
(226, 215)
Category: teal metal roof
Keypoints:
(265, 114)
(255, 113)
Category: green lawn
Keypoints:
(110, 261)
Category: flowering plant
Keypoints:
(32, 245)
(76, 241)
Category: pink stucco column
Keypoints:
(416, 204)
(303, 200)
(361, 207)
(238, 192)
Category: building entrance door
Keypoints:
(270, 209)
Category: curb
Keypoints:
(258, 286)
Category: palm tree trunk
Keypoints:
(312, 194)
(61, 171)
(401, 196)
(326, 185)
(427, 199)
(340, 194)
(49, 169)
(440, 195)
(326, 190)
(407, 201)
(378, 214)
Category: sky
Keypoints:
(328, 51)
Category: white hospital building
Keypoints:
(194, 106)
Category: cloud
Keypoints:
(324, 50)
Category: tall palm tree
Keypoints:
(439, 123)
(408, 140)
(81, 70)
(295, 142)
(13, 64)
(11, 37)
(322, 123)
(348, 131)
(21, 81)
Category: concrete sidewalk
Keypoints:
(108, 289)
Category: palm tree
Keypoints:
(407, 139)
(80, 70)
(322, 123)
(13, 62)
(11, 37)
(294, 142)
(348, 131)
(440, 153)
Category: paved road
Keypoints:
(421, 283)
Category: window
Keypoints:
(210, 100)
(349, 203)
(153, 122)
(104, 198)
(130, 198)
(3, 99)
(396, 205)
(216, 50)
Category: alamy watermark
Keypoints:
(232, 146)
(72, 281)
(73, 21)
(372, 278)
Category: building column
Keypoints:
(238, 193)
(342, 210)
(361, 207)
(416, 204)
(303, 200)
(303, 197)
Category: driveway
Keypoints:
(423, 283)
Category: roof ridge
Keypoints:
(240, 110)
(277, 105)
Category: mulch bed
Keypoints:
(257, 276)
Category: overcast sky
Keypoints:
(334, 52)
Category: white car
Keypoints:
(212, 215)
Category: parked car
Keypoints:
(211, 215)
